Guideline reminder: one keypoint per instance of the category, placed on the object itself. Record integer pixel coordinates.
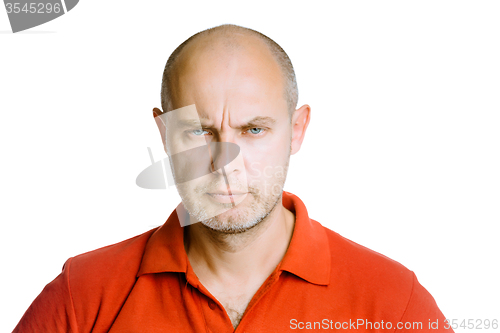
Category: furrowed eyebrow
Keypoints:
(259, 121)
(254, 122)
(189, 123)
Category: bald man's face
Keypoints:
(238, 94)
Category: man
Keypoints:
(239, 254)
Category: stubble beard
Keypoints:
(240, 218)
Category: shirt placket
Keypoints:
(214, 315)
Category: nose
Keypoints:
(221, 155)
(200, 161)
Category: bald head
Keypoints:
(226, 42)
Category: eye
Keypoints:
(256, 130)
(199, 132)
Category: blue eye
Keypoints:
(199, 132)
(256, 130)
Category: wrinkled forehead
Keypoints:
(212, 72)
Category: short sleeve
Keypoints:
(52, 310)
(422, 308)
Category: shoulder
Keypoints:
(99, 281)
(122, 258)
(368, 275)
(378, 285)
(360, 257)
(89, 291)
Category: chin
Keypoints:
(228, 227)
(233, 221)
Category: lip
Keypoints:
(226, 193)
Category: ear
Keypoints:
(161, 126)
(300, 121)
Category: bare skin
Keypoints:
(233, 267)
(230, 86)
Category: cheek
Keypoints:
(266, 168)
(271, 149)
(179, 142)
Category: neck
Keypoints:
(253, 254)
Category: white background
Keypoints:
(402, 153)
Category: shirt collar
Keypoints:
(307, 256)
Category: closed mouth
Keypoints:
(226, 193)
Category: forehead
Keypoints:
(239, 70)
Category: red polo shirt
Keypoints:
(146, 284)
